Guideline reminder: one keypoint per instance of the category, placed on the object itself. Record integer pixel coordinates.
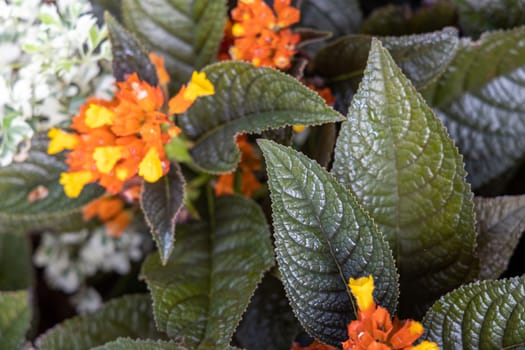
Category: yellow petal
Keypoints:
(237, 29)
(362, 289)
(426, 345)
(198, 86)
(298, 128)
(60, 140)
(97, 116)
(74, 182)
(150, 168)
(106, 157)
(416, 328)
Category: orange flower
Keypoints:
(249, 163)
(374, 329)
(116, 141)
(158, 62)
(261, 35)
(109, 210)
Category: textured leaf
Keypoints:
(186, 33)
(130, 344)
(15, 318)
(500, 222)
(53, 211)
(395, 155)
(202, 292)
(129, 316)
(477, 16)
(15, 262)
(339, 17)
(161, 202)
(422, 57)
(482, 315)
(268, 323)
(247, 99)
(129, 56)
(481, 99)
(323, 237)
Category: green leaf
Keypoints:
(481, 315)
(131, 344)
(129, 56)
(477, 16)
(15, 262)
(15, 318)
(422, 57)
(55, 210)
(500, 223)
(339, 17)
(480, 100)
(187, 33)
(206, 286)
(395, 155)
(128, 316)
(322, 238)
(161, 202)
(268, 323)
(247, 100)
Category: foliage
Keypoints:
(359, 172)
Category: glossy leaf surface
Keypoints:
(21, 208)
(500, 222)
(395, 155)
(483, 315)
(206, 286)
(322, 238)
(247, 100)
(15, 318)
(131, 344)
(186, 33)
(339, 17)
(129, 316)
(481, 99)
(160, 203)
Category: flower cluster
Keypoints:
(114, 141)
(261, 35)
(53, 57)
(109, 210)
(247, 181)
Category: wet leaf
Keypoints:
(322, 238)
(160, 203)
(15, 318)
(247, 100)
(201, 293)
(500, 222)
(395, 155)
(482, 315)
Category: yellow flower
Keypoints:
(298, 128)
(74, 182)
(362, 289)
(106, 157)
(97, 116)
(198, 86)
(426, 345)
(60, 141)
(150, 168)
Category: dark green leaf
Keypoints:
(477, 16)
(161, 202)
(100, 6)
(201, 293)
(15, 318)
(247, 99)
(395, 155)
(422, 57)
(186, 33)
(131, 344)
(268, 323)
(15, 262)
(40, 173)
(500, 222)
(482, 315)
(129, 56)
(128, 316)
(481, 99)
(339, 17)
(323, 237)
